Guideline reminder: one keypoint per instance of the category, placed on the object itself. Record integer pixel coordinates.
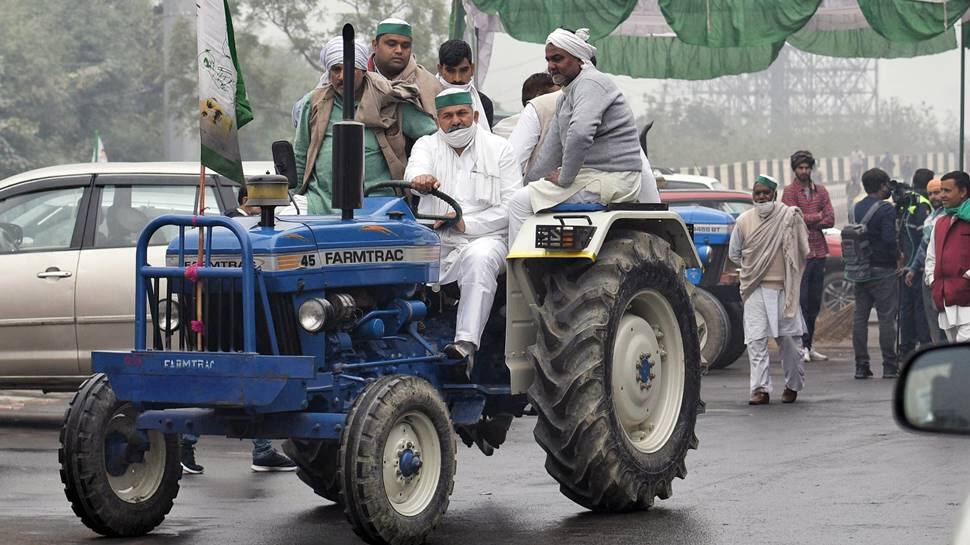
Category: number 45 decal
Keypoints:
(309, 260)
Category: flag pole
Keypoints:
(199, 259)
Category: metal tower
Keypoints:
(799, 90)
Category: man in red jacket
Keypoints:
(948, 260)
(816, 206)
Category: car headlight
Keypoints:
(314, 314)
(168, 322)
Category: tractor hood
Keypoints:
(383, 239)
(710, 227)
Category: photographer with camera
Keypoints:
(912, 208)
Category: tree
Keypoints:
(691, 132)
(308, 25)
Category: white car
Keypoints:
(667, 179)
(931, 396)
(67, 258)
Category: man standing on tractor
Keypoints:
(816, 206)
(476, 168)
(770, 242)
(947, 259)
(393, 59)
(390, 112)
(457, 71)
(592, 153)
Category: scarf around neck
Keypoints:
(962, 212)
(783, 230)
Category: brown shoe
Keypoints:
(758, 398)
(789, 396)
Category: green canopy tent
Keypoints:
(706, 39)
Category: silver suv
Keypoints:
(67, 258)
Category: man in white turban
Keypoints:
(391, 112)
(477, 169)
(592, 153)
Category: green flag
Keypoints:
(98, 155)
(223, 106)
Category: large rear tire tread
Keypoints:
(81, 457)
(316, 465)
(360, 475)
(587, 451)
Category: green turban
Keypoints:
(767, 181)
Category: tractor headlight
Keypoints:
(314, 314)
(168, 315)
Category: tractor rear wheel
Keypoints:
(397, 461)
(120, 482)
(617, 385)
(316, 465)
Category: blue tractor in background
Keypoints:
(717, 301)
(328, 332)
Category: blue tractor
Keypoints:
(717, 302)
(328, 332)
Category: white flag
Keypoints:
(223, 105)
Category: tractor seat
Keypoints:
(569, 207)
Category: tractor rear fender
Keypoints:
(520, 324)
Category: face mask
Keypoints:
(463, 86)
(460, 138)
(764, 208)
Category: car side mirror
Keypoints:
(933, 391)
(285, 162)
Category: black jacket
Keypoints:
(489, 108)
(881, 232)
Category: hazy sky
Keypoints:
(934, 79)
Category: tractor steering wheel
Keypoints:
(400, 185)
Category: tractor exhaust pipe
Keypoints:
(348, 142)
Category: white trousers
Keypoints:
(520, 207)
(791, 361)
(958, 333)
(476, 270)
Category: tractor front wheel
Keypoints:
(120, 481)
(617, 385)
(397, 461)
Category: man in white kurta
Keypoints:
(478, 170)
(770, 242)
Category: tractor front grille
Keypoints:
(222, 318)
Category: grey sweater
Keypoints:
(595, 129)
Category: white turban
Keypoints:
(332, 54)
(574, 44)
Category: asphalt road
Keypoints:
(832, 468)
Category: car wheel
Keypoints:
(837, 292)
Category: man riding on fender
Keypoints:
(477, 169)
(593, 137)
